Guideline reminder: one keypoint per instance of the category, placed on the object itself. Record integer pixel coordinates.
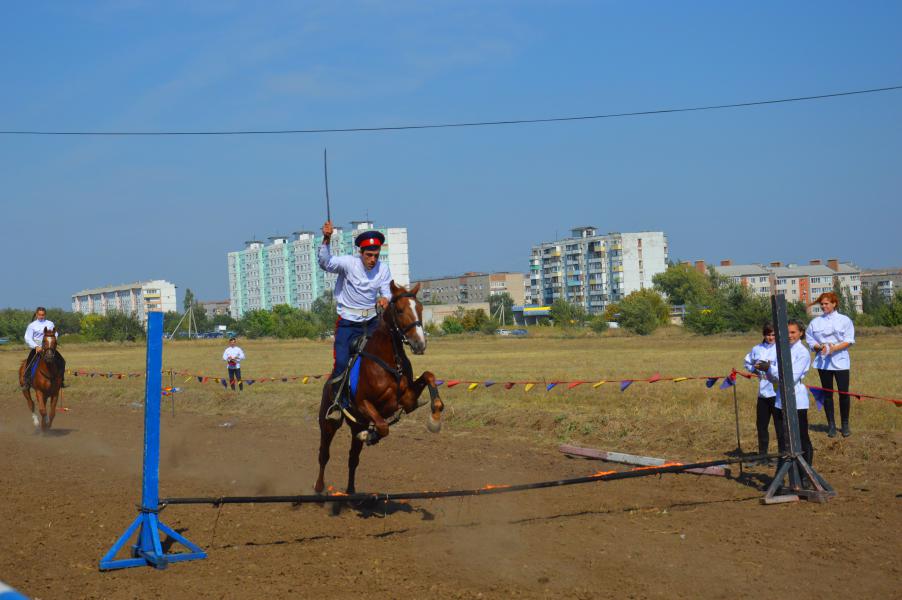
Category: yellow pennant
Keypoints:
(600, 383)
(678, 379)
(472, 386)
(528, 387)
(305, 379)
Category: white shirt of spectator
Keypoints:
(34, 334)
(832, 328)
(762, 351)
(356, 289)
(801, 363)
(233, 354)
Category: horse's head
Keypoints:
(405, 315)
(48, 346)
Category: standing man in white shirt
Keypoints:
(233, 356)
(766, 407)
(830, 336)
(34, 337)
(363, 283)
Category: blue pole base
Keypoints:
(148, 551)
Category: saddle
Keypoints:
(344, 384)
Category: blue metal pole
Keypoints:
(148, 549)
(150, 486)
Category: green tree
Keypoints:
(170, 320)
(598, 324)
(872, 301)
(683, 284)
(643, 311)
(567, 314)
(189, 299)
(325, 311)
(256, 323)
(502, 306)
(452, 325)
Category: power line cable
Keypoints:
(641, 113)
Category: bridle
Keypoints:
(402, 333)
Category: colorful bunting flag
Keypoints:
(509, 385)
(550, 386)
(710, 381)
(598, 384)
(679, 379)
(528, 387)
(573, 384)
(625, 384)
(654, 378)
(472, 386)
(489, 383)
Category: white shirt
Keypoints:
(831, 328)
(233, 354)
(762, 351)
(34, 334)
(357, 289)
(801, 362)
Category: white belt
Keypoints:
(365, 313)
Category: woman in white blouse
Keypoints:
(801, 363)
(830, 336)
(765, 410)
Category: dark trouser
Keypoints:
(235, 374)
(842, 384)
(346, 333)
(764, 413)
(807, 448)
(29, 366)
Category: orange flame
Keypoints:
(667, 464)
(602, 473)
(492, 486)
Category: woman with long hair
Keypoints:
(830, 336)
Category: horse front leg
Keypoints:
(436, 406)
(42, 409)
(51, 413)
(353, 461)
(327, 431)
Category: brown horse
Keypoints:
(46, 383)
(386, 385)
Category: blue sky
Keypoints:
(788, 182)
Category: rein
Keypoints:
(398, 339)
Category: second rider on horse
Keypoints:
(34, 338)
(363, 284)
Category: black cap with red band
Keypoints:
(369, 240)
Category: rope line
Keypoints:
(483, 491)
(640, 113)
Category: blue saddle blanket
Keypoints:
(355, 377)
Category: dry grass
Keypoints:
(680, 420)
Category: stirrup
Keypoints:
(334, 414)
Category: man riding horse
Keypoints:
(363, 282)
(34, 337)
(380, 385)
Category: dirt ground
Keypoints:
(68, 495)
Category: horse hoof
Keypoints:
(434, 425)
(35, 420)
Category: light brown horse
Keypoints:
(386, 385)
(46, 383)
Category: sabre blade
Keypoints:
(326, 173)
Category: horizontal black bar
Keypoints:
(363, 497)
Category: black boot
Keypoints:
(831, 429)
(846, 431)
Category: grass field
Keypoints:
(679, 420)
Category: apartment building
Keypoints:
(797, 282)
(286, 271)
(593, 270)
(472, 287)
(886, 281)
(137, 299)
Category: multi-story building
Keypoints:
(286, 271)
(797, 282)
(214, 308)
(137, 299)
(472, 287)
(885, 281)
(593, 270)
